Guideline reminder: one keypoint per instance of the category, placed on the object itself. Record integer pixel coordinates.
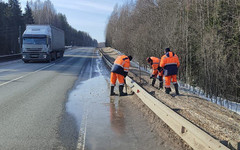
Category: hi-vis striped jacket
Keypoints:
(155, 64)
(121, 65)
(170, 63)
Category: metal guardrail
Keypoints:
(190, 133)
(10, 57)
(3, 56)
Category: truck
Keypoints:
(42, 43)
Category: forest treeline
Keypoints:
(204, 34)
(13, 23)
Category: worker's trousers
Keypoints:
(115, 77)
(158, 74)
(168, 80)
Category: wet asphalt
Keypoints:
(65, 104)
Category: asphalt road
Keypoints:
(32, 100)
(66, 105)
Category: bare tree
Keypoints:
(205, 35)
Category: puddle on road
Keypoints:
(95, 113)
(117, 117)
(83, 97)
(93, 90)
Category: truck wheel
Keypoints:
(49, 59)
(53, 56)
(56, 55)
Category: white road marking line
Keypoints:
(57, 61)
(26, 75)
(82, 131)
(85, 131)
(83, 127)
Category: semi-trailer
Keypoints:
(42, 43)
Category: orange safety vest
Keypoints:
(155, 64)
(121, 65)
(170, 63)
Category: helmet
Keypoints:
(130, 57)
(167, 49)
(148, 59)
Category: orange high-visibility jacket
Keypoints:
(155, 64)
(170, 63)
(121, 65)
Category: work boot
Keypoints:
(153, 81)
(176, 88)
(160, 85)
(167, 90)
(112, 91)
(121, 91)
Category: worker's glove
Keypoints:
(160, 69)
(151, 76)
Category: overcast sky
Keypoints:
(90, 16)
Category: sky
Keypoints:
(90, 16)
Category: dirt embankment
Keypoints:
(218, 121)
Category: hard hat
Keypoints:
(130, 57)
(167, 49)
(148, 59)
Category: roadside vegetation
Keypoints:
(13, 22)
(204, 34)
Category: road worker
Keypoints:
(119, 71)
(157, 71)
(170, 63)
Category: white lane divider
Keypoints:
(83, 126)
(26, 75)
(57, 61)
(82, 131)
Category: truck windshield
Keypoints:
(39, 41)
